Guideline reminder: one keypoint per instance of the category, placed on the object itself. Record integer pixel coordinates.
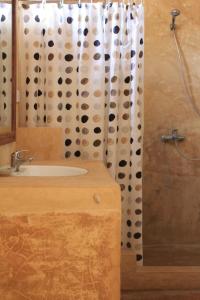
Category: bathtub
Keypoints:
(60, 235)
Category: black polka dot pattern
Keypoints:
(88, 79)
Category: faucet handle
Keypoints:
(18, 153)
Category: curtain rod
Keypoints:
(70, 1)
(75, 1)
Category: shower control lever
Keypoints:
(173, 137)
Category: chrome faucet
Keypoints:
(173, 137)
(18, 158)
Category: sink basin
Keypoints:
(41, 170)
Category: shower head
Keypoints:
(174, 13)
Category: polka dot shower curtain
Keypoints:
(82, 70)
(5, 64)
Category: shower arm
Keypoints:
(174, 13)
(173, 25)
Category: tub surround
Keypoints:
(61, 236)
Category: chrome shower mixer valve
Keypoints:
(173, 137)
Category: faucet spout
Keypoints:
(18, 158)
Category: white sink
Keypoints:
(41, 170)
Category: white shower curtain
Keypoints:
(5, 65)
(82, 70)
